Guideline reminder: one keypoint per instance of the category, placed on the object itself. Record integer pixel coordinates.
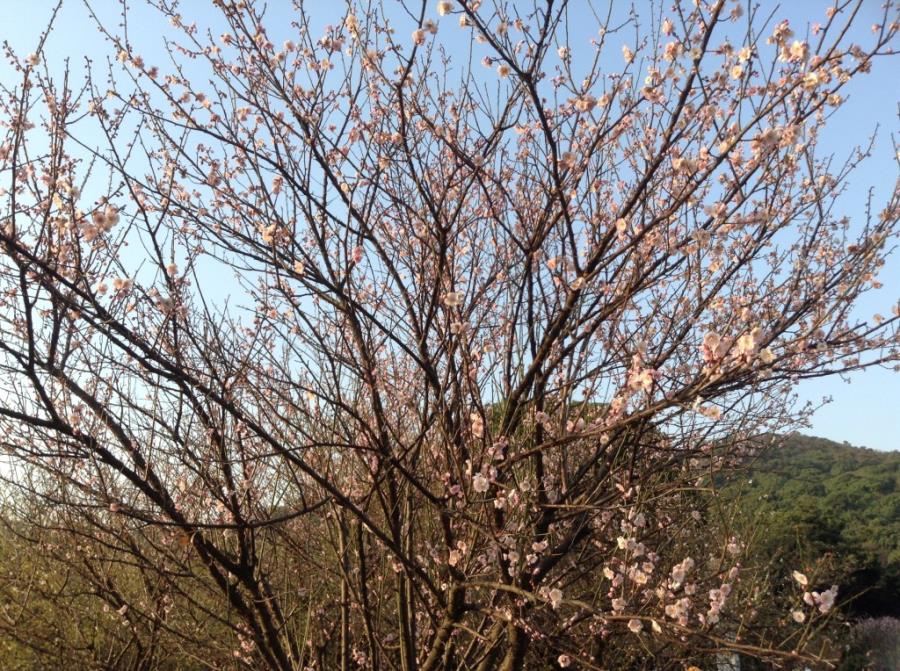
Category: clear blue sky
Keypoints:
(864, 412)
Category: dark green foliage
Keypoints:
(817, 503)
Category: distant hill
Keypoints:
(822, 501)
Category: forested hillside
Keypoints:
(828, 510)
(833, 509)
